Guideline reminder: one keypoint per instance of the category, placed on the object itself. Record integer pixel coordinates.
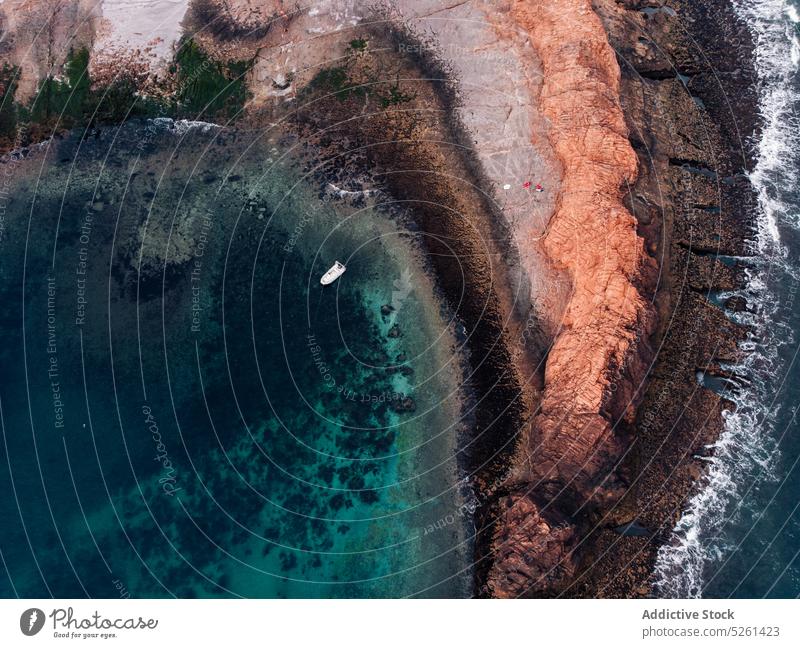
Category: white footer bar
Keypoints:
(389, 624)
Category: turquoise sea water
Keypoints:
(185, 411)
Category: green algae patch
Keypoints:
(71, 100)
(337, 82)
(8, 109)
(359, 44)
(206, 86)
(120, 101)
(196, 86)
(65, 98)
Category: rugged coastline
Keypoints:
(688, 94)
(695, 209)
(592, 425)
(565, 470)
(421, 159)
(541, 533)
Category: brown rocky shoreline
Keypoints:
(692, 205)
(565, 469)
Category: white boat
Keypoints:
(334, 272)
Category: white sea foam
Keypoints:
(23, 152)
(747, 450)
(183, 126)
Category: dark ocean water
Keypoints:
(185, 411)
(740, 536)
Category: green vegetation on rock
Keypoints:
(120, 101)
(359, 44)
(70, 101)
(336, 81)
(358, 76)
(207, 87)
(64, 98)
(396, 96)
(8, 108)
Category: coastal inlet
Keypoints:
(187, 411)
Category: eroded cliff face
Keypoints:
(607, 321)
(566, 465)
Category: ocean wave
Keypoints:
(747, 450)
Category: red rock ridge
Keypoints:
(600, 351)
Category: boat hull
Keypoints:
(333, 273)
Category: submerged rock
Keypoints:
(736, 304)
(404, 404)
